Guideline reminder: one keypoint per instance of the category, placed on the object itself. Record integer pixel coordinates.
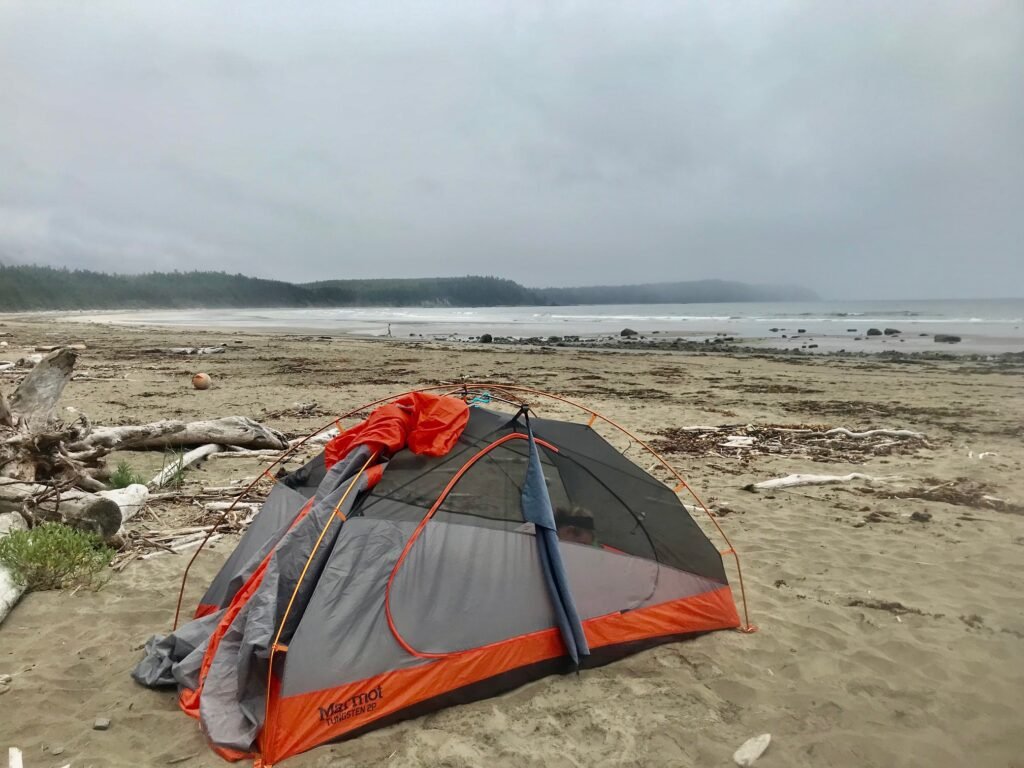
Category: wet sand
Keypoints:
(884, 640)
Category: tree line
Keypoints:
(29, 287)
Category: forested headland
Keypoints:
(28, 288)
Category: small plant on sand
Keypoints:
(176, 477)
(55, 556)
(124, 476)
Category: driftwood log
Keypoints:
(36, 446)
(53, 470)
(796, 481)
(231, 430)
(10, 592)
(102, 513)
(179, 465)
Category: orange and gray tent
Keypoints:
(417, 564)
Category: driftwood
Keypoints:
(186, 350)
(231, 453)
(231, 430)
(795, 481)
(130, 500)
(6, 417)
(35, 399)
(10, 592)
(52, 471)
(751, 749)
(185, 542)
(97, 513)
(179, 465)
(215, 518)
(876, 433)
(28, 431)
(35, 446)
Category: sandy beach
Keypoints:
(891, 616)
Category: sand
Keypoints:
(884, 640)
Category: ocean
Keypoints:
(993, 325)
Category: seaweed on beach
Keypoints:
(773, 389)
(297, 411)
(961, 492)
(946, 416)
(816, 442)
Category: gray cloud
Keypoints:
(864, 149)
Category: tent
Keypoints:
(436, 553)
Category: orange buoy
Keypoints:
(201, 381)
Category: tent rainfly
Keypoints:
(436, 553)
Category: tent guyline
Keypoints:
(437, 552)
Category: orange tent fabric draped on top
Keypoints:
(424, 423)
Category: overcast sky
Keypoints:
(862, 149)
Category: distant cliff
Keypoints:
(24, 288)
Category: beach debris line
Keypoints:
(185, 350)
(751, 749)
(216, 514)
(817, 442)
(960, 492)
(296, 411)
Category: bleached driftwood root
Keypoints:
(795, 481)
(30, 437)
(35, 399)
(179, 465)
